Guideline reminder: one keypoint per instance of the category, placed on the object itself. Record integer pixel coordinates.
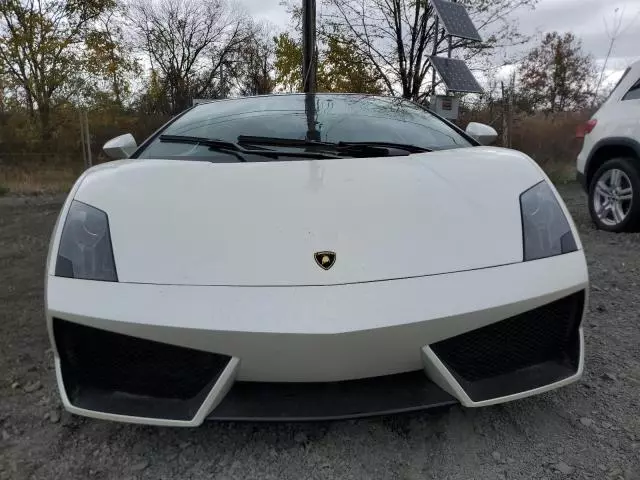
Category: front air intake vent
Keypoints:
(521, 353)
(126, 375)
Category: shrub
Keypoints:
(547, 138)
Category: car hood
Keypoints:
(201, 223)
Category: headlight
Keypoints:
(546, 231)
(85, 246)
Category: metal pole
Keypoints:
(505, 118)
(88, 140)
(222, 92)
(310, 111)
(450, 38)
(84, 150)
(308, 46)
(435, 52)
(511, 90)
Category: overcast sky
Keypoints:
(585, 18)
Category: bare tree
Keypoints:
(187, 42)
(398, 36)
(613, 31)
(557, 75)
(253, 69)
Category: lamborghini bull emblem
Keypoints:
(325, 260)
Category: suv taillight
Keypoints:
(586, 128)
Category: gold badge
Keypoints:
(325, 260)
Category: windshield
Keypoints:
(321, 118)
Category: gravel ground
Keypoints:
(587, 430)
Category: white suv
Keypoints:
(609, 163)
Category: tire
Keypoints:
(614, 195)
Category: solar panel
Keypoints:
(456, 75)
(456, 20)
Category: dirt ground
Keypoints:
(588, 430)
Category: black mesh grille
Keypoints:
(96, 359)
(545, 334)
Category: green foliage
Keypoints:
(288, 63)
(110, 62)
(154, 98)
(41, 49)
(3, 190)
(345, 69)
(341, 67)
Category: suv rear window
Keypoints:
(624, 75)
(633, 93)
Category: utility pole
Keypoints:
(85, 139)
(512, 90)
(309, 66)
(85, 162)
(308, 46)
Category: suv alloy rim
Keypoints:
(613, 197)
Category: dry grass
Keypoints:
(560, 171)
(40, 180)
(36, 179)
(548, 139)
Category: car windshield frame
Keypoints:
(409, 103)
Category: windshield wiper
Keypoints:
(237, 150)
(212, 143)
(345, 148)
(400, 146)
(282, 142)
(311, 145)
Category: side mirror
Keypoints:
(484, 134)
(120, 147)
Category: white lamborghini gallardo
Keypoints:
(310, 257)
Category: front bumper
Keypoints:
(328, 336)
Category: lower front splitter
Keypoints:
(268, 401)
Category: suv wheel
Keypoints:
(614, 196)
